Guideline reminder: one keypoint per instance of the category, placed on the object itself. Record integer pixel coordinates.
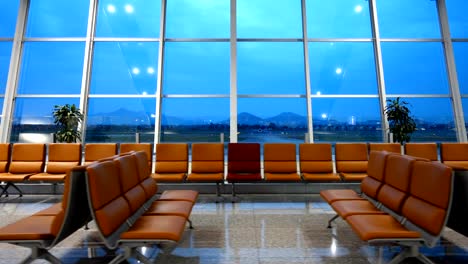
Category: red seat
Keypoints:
(243, 163)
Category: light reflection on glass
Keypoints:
(338, 70)
(150, 70)
(358, 9)
(136, 70)
(129, 9)
(324, 116)
(111, 8)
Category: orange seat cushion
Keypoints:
(352, 207)
(156, 227)
(331, 196)
(206, 177)
(180, 208)
(179, 195)
(353, 176)
(168, 177)
(321, 176)
(38, 227)
(369, 227)
(282, 177)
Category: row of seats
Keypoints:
(28, 162)
(120, 196)
(405, 200)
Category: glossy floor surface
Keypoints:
(256, 229)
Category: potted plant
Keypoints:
(67, 118)
(401, 124)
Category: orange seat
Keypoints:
(62, 158)
(97, 151)
(316, 163)
(422, 150)
(207, 163)
(43, 230)
(369, 185)
(425, 210)
(351, 160)
(454, 155)
(26, 159)
(145, 147)
(389, 147)
(171, 162)
(279, 162)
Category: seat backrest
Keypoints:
(315, 158)
(97, 151)
(279, 158)
(146, 147)
(5, 156)
(351, 157)
(63, 156)
(129, 179)
(244, 158)
(390, 147)
(207, 157)
(454, 154)
(27, 158)
(428, 204)
(171, 158)
(109, 208)
(396, 186)
(375, 173)
(422, 150)
(148, 184)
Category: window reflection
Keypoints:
(270, 68)
(128, 18)
(51, 68)
(119, 119)
(434, 123)
(338, 19)
(198, 19)
(346, 119)
(5, 54)
(342, 68)
(57, 18)
(269, 19)
(414, 68)
(271, 120)
(196, 68)
(408, 19)
(461, 53)
(194, 119)
(124, 68)
(34, 115)
(458, 20)
(8, 14)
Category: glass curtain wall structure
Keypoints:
(234, 70)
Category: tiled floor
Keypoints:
(257, 229)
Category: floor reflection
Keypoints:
(257, 229)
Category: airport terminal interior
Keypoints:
(162, 72)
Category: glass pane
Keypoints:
(458, 20)
(414, 68)
(346, 119)
(134, 68)
(338, 19)
(51, 68)
(269, 19)
(5, 54)
(272, 120)
(434, 123)
(1, 107)
(408, 19)
(194, 119)
(8, 15)
(465, 111)
(197, 19)
(119, 119)
(57, 18)
(342, 68)
(34, 115)
(196, 68)
(128, 18)
(270, 68)
(461, 55)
